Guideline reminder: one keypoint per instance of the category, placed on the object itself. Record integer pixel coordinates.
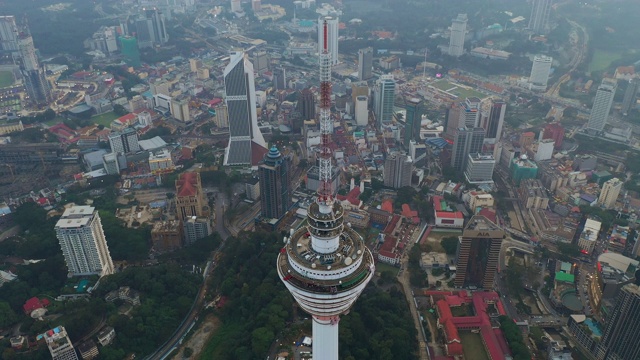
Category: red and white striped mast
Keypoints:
(325, 193)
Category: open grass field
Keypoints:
(386, 267)
(6, 78)
(472, 346)
(457, 90)
(602, 59)
(104, 119)
(54, 121)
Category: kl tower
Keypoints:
(326, 264)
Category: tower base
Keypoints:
(325, 337)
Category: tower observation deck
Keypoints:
(326, 264)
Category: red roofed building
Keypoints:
(489, 214)
(351, 199)
(387, 252)
(410, 214)
(387, 206)
(446, 216)
(486, 307)
(393, 226)
(190, 199)
(128, 120)
(34, 304)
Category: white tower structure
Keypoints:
(331, 35)
(246, 143)
(325, 265)
(540, 72)
(458, 32)
(83, 244)
(602, 104)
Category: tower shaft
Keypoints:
(325, 193)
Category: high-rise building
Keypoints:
(180, 109)
(362, 110)
(495, 121)
(331, 36)
(397, 171)
(151, 29)
(540, 72)
(539, 20)
(307, 104)
(602, 105)
(630, 96)
(130, 52)
(59, 344)
(275, 189)
(609, 193)
(261, 60)
(279, 78)
(554, 131)
(413, 120)
(365, 63)
(385, 95)
(8, 34)
(458, 33)
(246, 144)
(83, 244)
(34, 78)
(620, 337)
(465, 141)
(478, 253)
(470, 112)
(190, 198)
(325, 266)
(124, 142)
(196, 228)
(110, 163)
(418, 153)
(236, 5)
(479, 168)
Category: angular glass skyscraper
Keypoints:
(620, 338)
(246, 144)
(385, 94)
(275, 193)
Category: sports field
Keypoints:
(458, 90)
(6, 79)
(602, 59)
(104, 119)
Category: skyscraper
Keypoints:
(190, 198)
(362, 110)
(630, 96)
(539, 20)
(365, 63)
(620, 338)
(246, 144)
(307, 104)
(59, 344)
(124, 142)
(326, 265)
(465, 142)
(413, 120)
(609, 193)
(83, 244)
(275, 190)
(34, 78)
(470, 112)
(602, 105)
(554, 131)
(495, 120)
(129, 49)
(279, 78)
(540, 72)
(397, 171)
(8, 34)
(479, 169)
(385, 94)
(478, 253)
(151, 29)
(331, 36)
(458, 32)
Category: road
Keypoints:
(165, 350)
(10, 232)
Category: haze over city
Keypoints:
(297, 179)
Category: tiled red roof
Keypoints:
(449, 214)
(489, 214)
(391, 225)
(387, 206)
(127, 119)
(352, 196)
(33, 304)
(187, 184)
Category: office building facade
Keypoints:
(385, 93)
(275, 189)
(279, 78)
(620, 337)
(495, 121)
(33, 74)
(478, 253)
(413, 121)
(630, 100)
(362, 110)
(479, 168)
(124, 142)
(365, 63)
(458, 33)
(246, 143)
(397, 171)
(540, 71)
(307, 104)
(83, 243)
(602, 105)
(539, 19)
(465, 141)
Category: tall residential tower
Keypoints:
(326, 264)
(365, 63)
(539, 20)
(458, 32)
(602, 105)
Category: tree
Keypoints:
(119, 110)
(7, 316)
(450, 244)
